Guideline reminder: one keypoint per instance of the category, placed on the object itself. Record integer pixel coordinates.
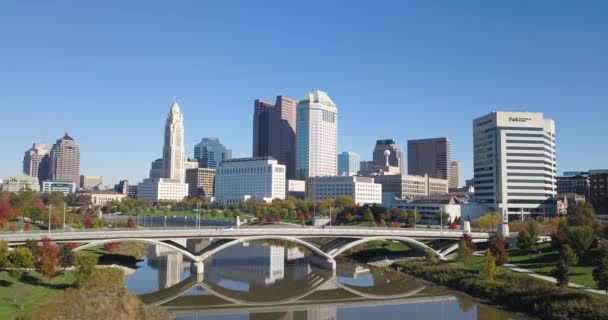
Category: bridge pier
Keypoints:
(197, 268)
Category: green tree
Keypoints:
(561, 273)
(600, 275)
(464, 252)
(443, 217)
(581, 238)
(527, 239)
(568, 255)
(85, 264)
(56, 198)
(488, 270)
(412, 218)
(345, 202)
(3, 254)
(582, 214)
(431, 257)
(67, 257)
(20, 258)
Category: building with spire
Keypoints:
(317, 136)
(36, 161)
(167, 175)
(65, 160)
(173, 149)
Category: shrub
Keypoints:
(488, 270)
(431, 257)
(85, 264)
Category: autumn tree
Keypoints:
(498, 249)
(488, 270)
(349, 217)
(489, 221)
(110, 246)
(7, 212)
(47, 260)
(131, 223)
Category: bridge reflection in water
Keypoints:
(264, 278)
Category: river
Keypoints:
(275, 280)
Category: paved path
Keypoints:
(550, 279)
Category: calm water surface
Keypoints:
(278, 281)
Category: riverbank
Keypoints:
(512, 291)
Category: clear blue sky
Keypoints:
(107, 71)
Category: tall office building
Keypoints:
(599, 190)
(36, 161)
(167, 175)
(454, 174)
(429, 156)
(65, 160)
(274, 131)
(395, 158)
(348, 163)
(514, 162)
(317, 135)
(210, 153)
(173, 149)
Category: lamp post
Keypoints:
(64, 208)
(50, 213)
(441, 218)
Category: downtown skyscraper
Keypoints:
(274, 131)
(317, 136)
(515, 163)
(430, 157)
(64, 161)
(36, 161)
(173, 148)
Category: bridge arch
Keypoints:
(409, 241)
(308, 245)
(148, 241)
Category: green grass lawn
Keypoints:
(545, 261)
(32, 290)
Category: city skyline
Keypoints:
(494, 74)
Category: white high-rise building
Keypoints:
(515, 163)
(261, 178)
(167, 175)
(317, 135)
(348, 163)
(173, 149)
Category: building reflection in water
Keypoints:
(259, 270)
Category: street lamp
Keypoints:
(50, 213)
(64, 208)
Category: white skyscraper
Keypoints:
(173, 149)
(167, 176)
(317, 135)
(514, 162)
